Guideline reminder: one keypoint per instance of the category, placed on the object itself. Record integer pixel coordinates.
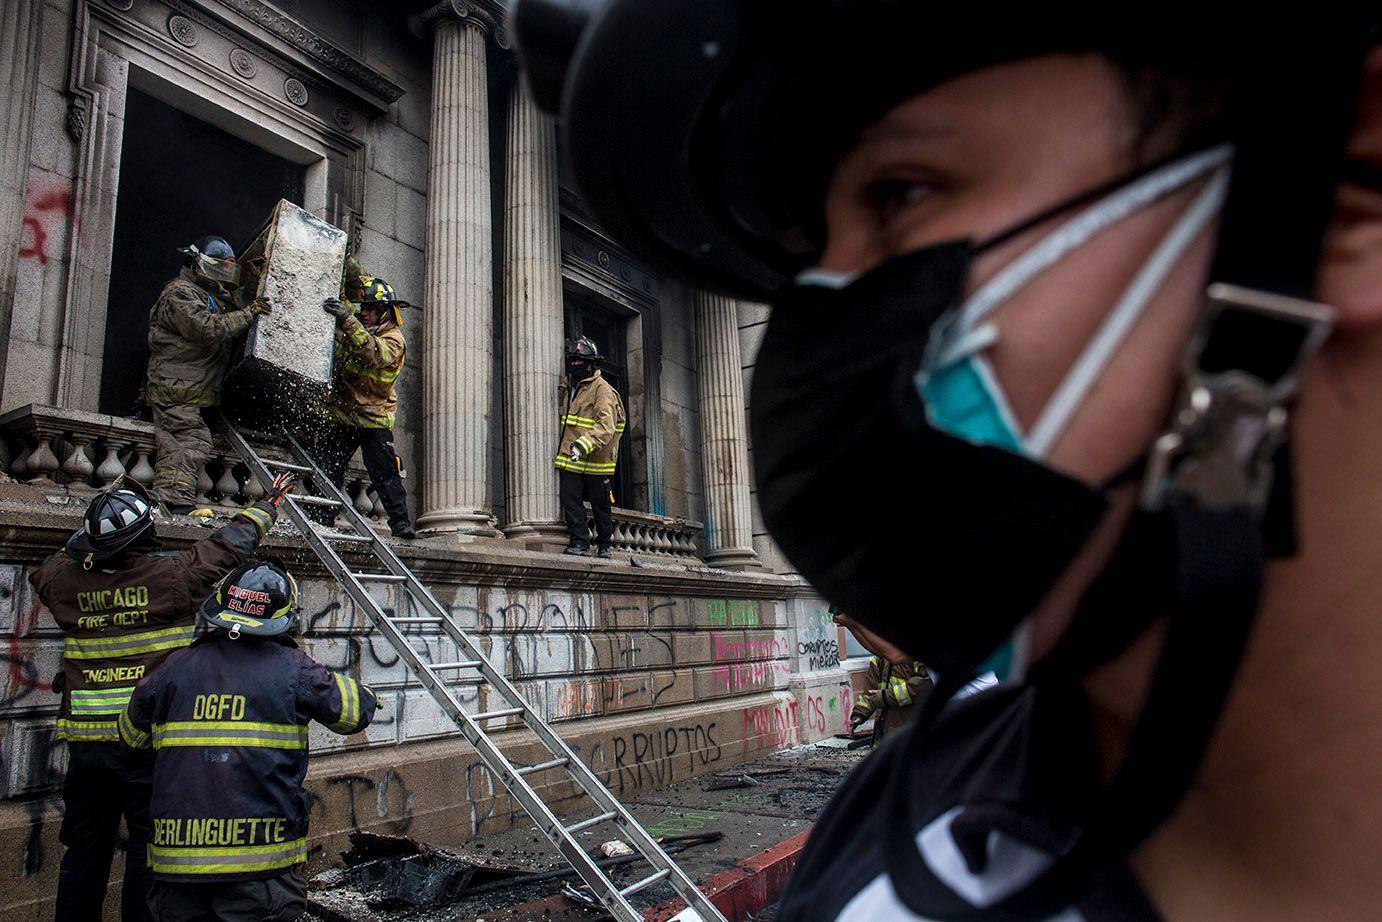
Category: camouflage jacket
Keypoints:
(192, 333)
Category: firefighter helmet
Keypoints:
(214, 259)
(258, 598)
(114, 520)
(378, 291)
(584, 348)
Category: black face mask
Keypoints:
(940, 545)
(579, 371)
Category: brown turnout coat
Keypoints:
(594, 420)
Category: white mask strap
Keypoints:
(1080, 229)
(1091, 364)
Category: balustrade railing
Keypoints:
(49, 447)
(658, 535)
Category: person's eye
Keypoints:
(891, 198)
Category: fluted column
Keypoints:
(20, 25)
(532, 318)
(458, 311)
(724, 435)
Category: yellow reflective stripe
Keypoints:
(227, 859)
(382, 375)
(87, 731)
(359, 335)
(100, 700)
(229, 733)
(580, 422)
(902, 695)
(262, 520)
(584, 467)
(359, 418)
(618, 427)
(132, 735)
(122, 645)
(586, 443)
(349, 719)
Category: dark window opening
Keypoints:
(587, 316)
(180, 179)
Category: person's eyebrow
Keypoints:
(901, 128)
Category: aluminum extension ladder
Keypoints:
(513, 777)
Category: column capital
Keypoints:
(486, 15)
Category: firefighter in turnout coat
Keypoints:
(370, 354)
(226, 720)
(124, 606)
(192, 331)
(894, 694)
(590, 430)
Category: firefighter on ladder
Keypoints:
(226, 721)
(192, 328)
(590, 429)
(125, 606)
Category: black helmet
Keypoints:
(213, 259)
(375, 290)
(584, 349)
(114, 520)
(743, 107)
(259, 598)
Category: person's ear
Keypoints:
(1351, 268)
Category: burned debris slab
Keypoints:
(285, 368)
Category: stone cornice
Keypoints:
(315, 47)
(490, 16)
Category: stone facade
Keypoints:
(415, 136)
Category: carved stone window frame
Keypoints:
(289, 92)
(593, 263)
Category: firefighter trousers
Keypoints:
(268, 899)
(105, 781)
(183, 444)
(335, 445)
(576, 490)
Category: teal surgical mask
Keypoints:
(958, 387)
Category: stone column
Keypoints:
(532, 319)
(20, 37)
(724, 435)
(458, 308)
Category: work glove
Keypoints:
(337, 308)
(576, 453)
(259, 307)
(281, 487)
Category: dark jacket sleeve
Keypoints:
(338, 702)
(136, 720)
(41, 577)
(231, 545)
(185, 310)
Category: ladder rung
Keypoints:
(593, 821)
(285, 466)
(348, 539)
(645, 882)
(466, 664)
(416, 620)
(494, 715)
(314, 500)
(530, 769)
(380, 577)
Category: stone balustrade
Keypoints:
(658, 535)
(75, 450)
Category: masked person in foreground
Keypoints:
(1047, 295)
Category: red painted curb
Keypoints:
(749, 887)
